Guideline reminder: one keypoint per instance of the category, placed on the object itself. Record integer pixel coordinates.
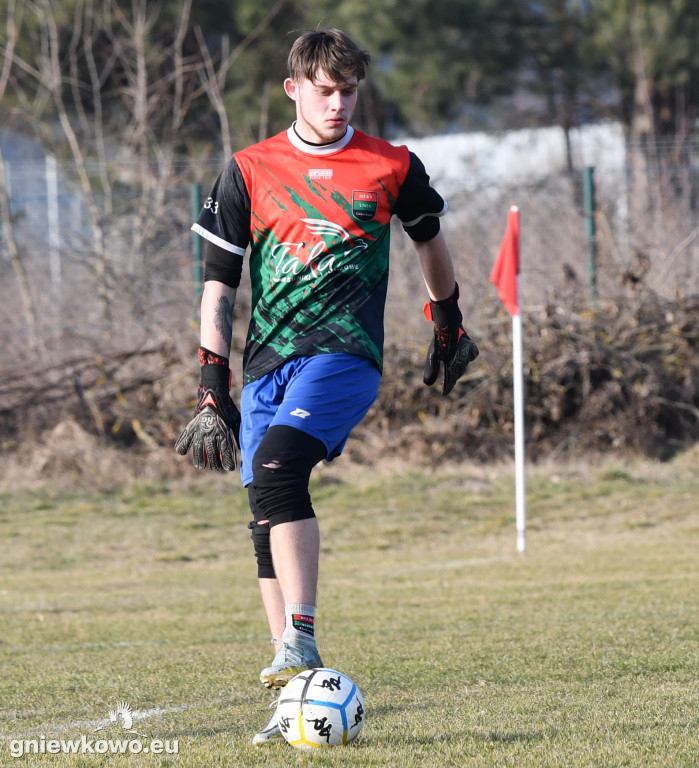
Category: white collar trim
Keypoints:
(322, 149)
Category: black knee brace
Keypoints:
(278, 492)
(263, 551)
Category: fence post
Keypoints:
(195, 200)
(589, 188)
(53, 221)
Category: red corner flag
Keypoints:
(506, 267)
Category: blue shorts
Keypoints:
(325, 396)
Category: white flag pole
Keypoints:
(505, 275)
(517, 379)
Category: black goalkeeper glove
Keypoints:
(450, 344)
(213, 432)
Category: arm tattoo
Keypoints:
(223, 319)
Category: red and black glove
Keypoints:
(450, 344)
(213, 432)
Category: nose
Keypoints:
(336, 101)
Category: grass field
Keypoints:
(583, 651)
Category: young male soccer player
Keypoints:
(314, 205)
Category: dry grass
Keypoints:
(581, 652)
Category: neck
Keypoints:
(312, 148)
(316, 143)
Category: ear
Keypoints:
(291, 89)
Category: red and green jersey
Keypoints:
(317, 220)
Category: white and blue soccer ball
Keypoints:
(320, 708)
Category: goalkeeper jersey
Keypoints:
(317, 221)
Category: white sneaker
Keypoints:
(271, 732)
(294, 656)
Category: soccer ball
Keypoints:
(320, 708)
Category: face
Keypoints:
(323, 107)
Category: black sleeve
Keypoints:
(224, 223)
(419, 205)
(222, 265)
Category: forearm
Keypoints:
(437, 267)
(217, 304)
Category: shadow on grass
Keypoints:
(509, 738)
(458, 735)
(493, 737)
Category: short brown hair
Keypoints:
(327, 50)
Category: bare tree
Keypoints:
(214, 77)
(121, 119)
